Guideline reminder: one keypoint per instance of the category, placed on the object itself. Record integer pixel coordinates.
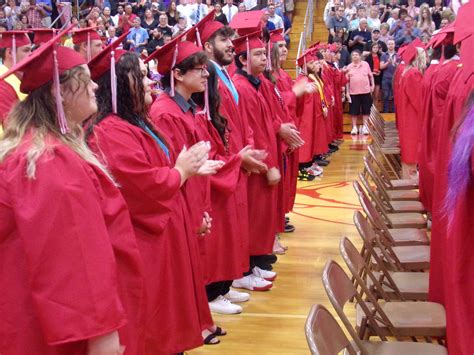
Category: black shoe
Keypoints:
(322, 162)
(333, 147)
(287, 219)
(289, 228)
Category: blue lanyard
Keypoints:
(228, 83)
(162, 145)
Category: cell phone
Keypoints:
(333, 9)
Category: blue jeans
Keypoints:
(387, 92)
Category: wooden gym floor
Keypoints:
(273, 322)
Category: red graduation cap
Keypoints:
(409, 54)
(248, 42)
(171, 54)
(276, 35)
(247, 22)
(204, 29)
(464, 18)
(105, 61)
(85, 35)
(418, 43)
(466, 54)
(306, 57)
(46, 64)
(43, 35)
(13, 40)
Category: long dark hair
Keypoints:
(218, 121)
(130, 93)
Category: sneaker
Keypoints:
(236, 296)
(289, 228)
(277, 249)
(264, 274)
(354, 130)
(315, 170)
(223, 306)
(365, 131)
(252, 283)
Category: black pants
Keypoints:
(217, 289)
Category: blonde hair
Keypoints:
(419, 62)
(36, 115)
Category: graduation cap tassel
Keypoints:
(14, 49)
(198, 38)
(269, 57)
(63, 126)
(88, 47)
(113, 82)
(175, 57)
(249, 67)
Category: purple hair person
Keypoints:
(460, 168)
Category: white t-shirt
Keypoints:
(277, 21)
(233, 10)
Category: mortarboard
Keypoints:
(13, 40)
(46, 64)
(410, 53)
(204, 29)
(464, 27)
(306, 57)
(86, 35)
(105, 61)
(276, 35)
(466, 54)
(42, 35)
(247, 22)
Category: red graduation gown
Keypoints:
(70, 264)
(458, 92)
(410, 123)
(312, 126)
(176, 307)
(396, 89)
(340, 81)
(460, 274)
(425, 164)
(285, 86)
(328, 73)
(227, 256)
(262, 198)
(8, 98)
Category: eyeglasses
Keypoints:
(203, 70)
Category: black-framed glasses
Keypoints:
(203, 70)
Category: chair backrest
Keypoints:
(376, 179)
(367, 203)
(383, 172)
(371, 241)
(384, 205)
(323, 333)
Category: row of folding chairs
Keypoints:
(388, 278)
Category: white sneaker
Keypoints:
(264, 274)
(252, 283)
(236, 296)
(354, 130)
(315, 172)
(365, 131)
(223, 306)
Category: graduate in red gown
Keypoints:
(312, 112)
(459, 270)
(152, 177)
(10, 92)
(410, 104)
(71, 269)
(262, 190)
(459, 90)
(425, 165)
(340, 81)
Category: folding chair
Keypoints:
(396, 258)
(397, 319)
(385, 284)
(393, 220)
(395, 236)
(325, 337)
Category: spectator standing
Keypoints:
(337, 22)
(389, 62)
(375, 39)
(274, 18)
(408, 34)
(230, 10)
(289, 10)
(436, 13)
(361, 14)
(149, 23)
(172, 14)
(106, 17)
(220, 16)
(350, 10)
(359, 37)
(126, 21)
(374, 63)
(329, 11)
(344, 55)
(35, 14)
(359, 88)
(118, 15)
(384, 35)
(425, 22)
(186, 10)
(47, 7)
(413, 10)
(373, 20)
(393, 18)
(138, 36)
(399, 25)
(200, 11)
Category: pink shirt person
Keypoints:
(360, 78)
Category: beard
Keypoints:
(220, 57)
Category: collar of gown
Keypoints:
(252, 79)
(184, 105)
